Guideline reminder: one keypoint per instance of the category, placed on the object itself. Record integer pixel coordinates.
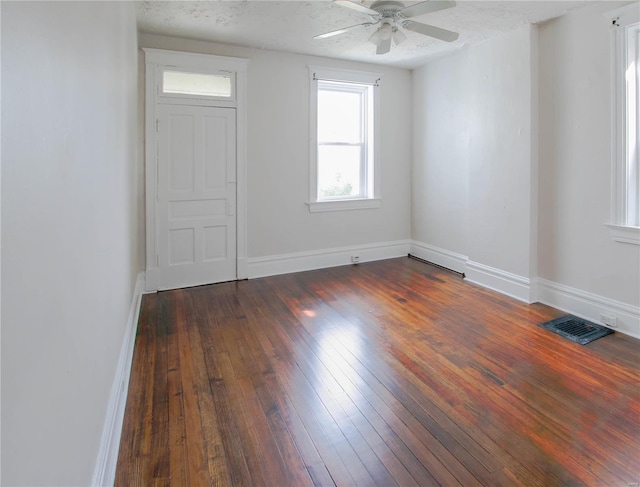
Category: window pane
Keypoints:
(633, 127)
(338, 171)
(339, 116)
(196, 84)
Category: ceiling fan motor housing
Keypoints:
(387, 8)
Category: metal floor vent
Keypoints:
(576, 329)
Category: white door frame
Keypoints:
(155, 61)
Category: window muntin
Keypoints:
(219, 85)
(345, 139)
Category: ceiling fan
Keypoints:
(393, 17)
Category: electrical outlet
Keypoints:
(608, 320)
(355, 259)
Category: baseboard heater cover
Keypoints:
(576, 329)
(411, 256)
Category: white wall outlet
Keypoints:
(355, 259)
(608, 320)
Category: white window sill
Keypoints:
(340, 205)
(624, 234)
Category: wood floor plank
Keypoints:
(334, 449)
(226, 421)
(197, 461)
(178, 454)
(299, 434)
(345, 413)
(249, 437)
(320, 475)
(386, 373)
(249, 379)
(300, 437)
(136, 434)
(334, 446)
(203, 432)
(284, 428)
(159, 455)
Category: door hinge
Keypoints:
(157, 124)
(157, 260)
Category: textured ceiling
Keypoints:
(290, 25)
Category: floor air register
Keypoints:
(576, 329)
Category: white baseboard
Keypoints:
(445, 258)
(105, 471)
(513, 285)
(589, 306)
(273, 265)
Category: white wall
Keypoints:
(441, 144)
(500, 121)
(575, 160)
(69, 233)
(474, 160)
(279, 221)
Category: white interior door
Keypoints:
(196, 195)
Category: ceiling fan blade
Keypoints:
(356, 6)
(430, 30)
(425, 7)
(384, 46)
(342, 31)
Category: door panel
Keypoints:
(196, 195)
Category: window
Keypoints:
(631, 212)
(197, 84)
(625, 216)
(343, 140)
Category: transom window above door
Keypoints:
(197, 84)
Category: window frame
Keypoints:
(623, 21)
(369, 176)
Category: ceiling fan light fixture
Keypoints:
(386, 31)
(384, 46)
(382, 33)
(375, 37)
(398, 36)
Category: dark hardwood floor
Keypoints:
(391, 373)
